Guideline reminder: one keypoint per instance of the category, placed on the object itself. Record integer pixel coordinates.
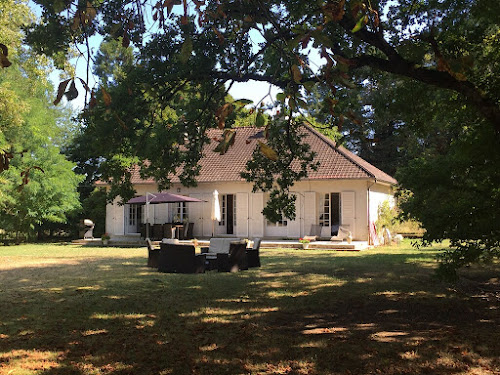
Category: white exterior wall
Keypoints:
(249, 220)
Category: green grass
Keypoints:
(67, 309)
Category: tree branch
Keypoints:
(227, 76)
(444, 80)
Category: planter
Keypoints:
(105, 242)
(305, 246)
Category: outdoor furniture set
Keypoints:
(223, 255)
(168, 230)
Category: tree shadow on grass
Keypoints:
(298, 314)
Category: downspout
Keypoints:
(368, 218)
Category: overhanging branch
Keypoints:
(444, 80)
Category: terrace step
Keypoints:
(128, 241)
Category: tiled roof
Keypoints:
(335, 162)
(343, 167)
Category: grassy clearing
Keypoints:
(66, 309)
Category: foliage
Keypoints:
(94, 208)
(386, 216)
(212, 46)
(284, 155)
(38, 184)
(455, 195)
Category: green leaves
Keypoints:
(362, 21)
(260, 120)
(296, 74)
(282, 154)
(186, 50)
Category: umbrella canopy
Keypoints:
(216, 207)
(162, 198)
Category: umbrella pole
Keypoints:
(147, 218)
(147, 213)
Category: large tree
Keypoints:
(38, 185)
(448, 48)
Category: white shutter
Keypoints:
(207, 209)
(126, 218)
(109, 218)
(310, 211)
(256, 217)
(293, 226)
(115, 218)
(242, 214)
(195, 214)
(160, 212)
(348, 211)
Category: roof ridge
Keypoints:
(332, 144)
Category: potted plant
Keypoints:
(105, 239)
(304, 242)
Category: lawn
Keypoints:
(66, 309)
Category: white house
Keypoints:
(344, 192)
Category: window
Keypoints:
(324, 211)
(181, 212)
(280, 223)
(234, 210)
(133, 215)
(223, 208)
(223, 205)
(329, 214)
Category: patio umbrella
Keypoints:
(157, 198)
(162, 198)
(215, 210)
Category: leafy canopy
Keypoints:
(37, 184)
(196, 49)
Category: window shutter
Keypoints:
(256, 217)
(195, 215)
(242, 214)
(348, 211)
(310, 211)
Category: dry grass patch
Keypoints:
(96, 311)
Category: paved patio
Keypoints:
(130, 241)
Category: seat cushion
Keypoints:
(221, 245)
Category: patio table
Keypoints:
(176, 230)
